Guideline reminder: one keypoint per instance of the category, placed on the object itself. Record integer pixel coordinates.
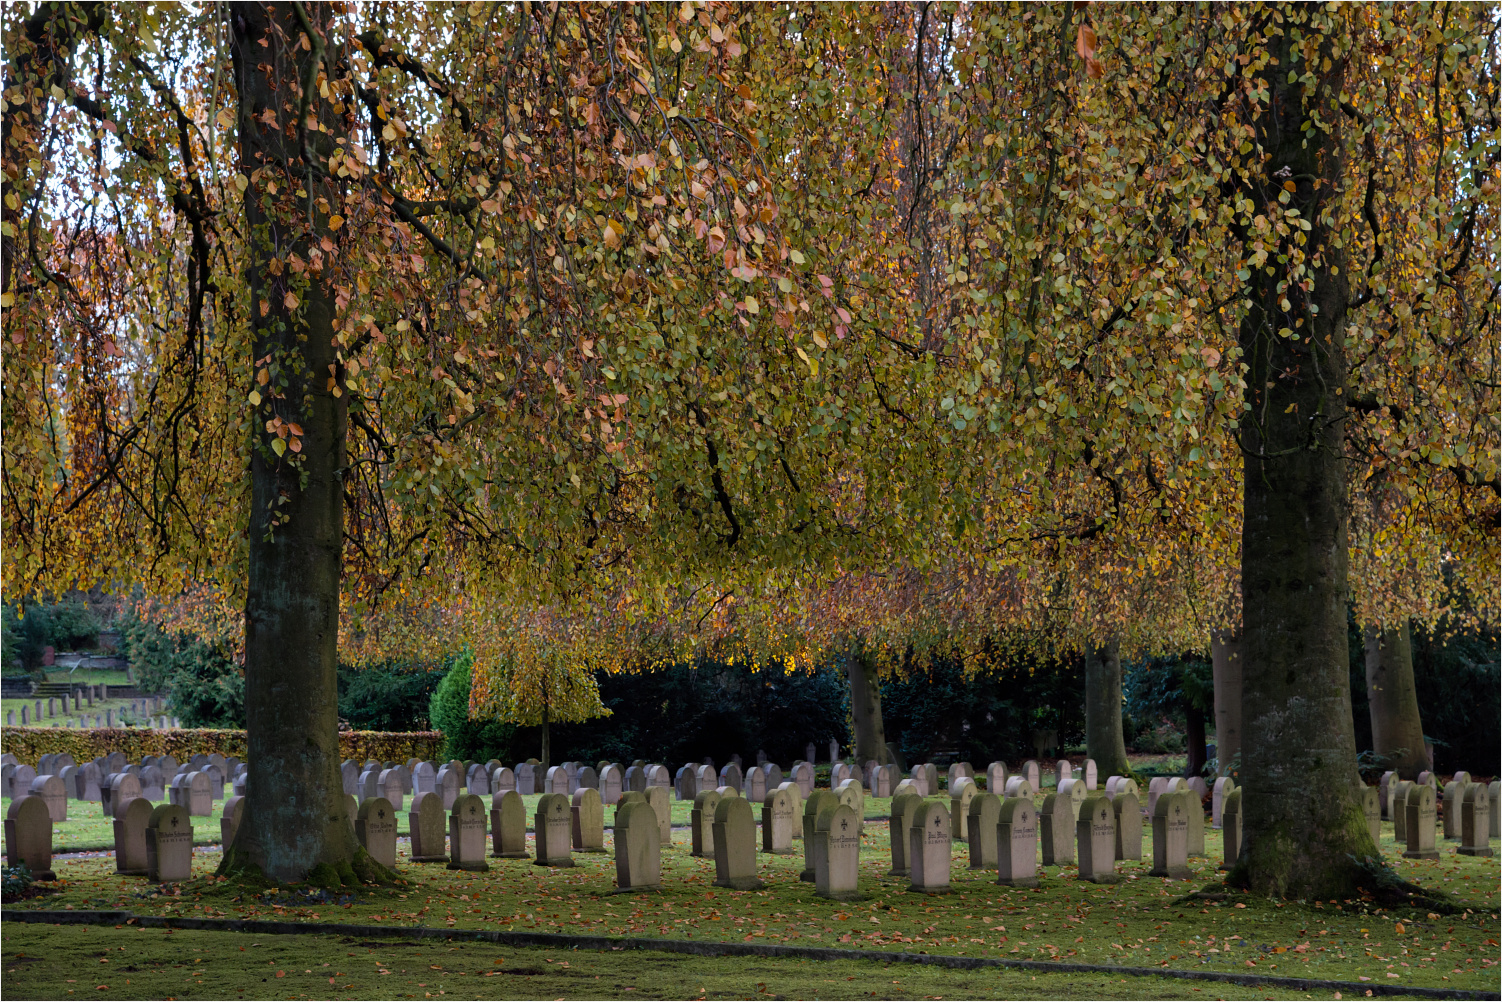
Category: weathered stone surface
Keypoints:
(1371, 806)
(777, 822)
(853, 796)
(638, 848)
(375, 830)
(50, 789)
(612, 784)
(1475, 819)
(1400, 810)
(588, 821)
(903, 806)
(1095, 835)
(1033, 773)
(961, 792)
(1420, 823)
(701, 823)
(1128, 826)
(1223, 786)
(553, 823)
(1230, 824)
(1171, 835)
(1056, 829)
(980, 828)
(467, 834)
(657, 796)
(426, 820)
(996, 778)
(130, 837)
(1451, 799)
(389, 788)
(169, 845)
(930, 842)
(508, 825)
(803, 775)
(1074, 788)
(28, 836)
(229, 820)
(735, 845)
(836, 853)
(1017, 843)
(818, 801)
(1018, 786)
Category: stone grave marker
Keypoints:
(130, 837)
(1493, 791)
(1128, 826)
(20, 777)
(636, 779)
(1223, 786)
(730, 776)
(389, 788)
(587, 821)
(903, 807)
(153, 785)
(89, 783)
(1196, 839)
(502, 780)
(50, 789)
(885, 780)
(467, 834)
(996, 778)
(817, 801)
(777, 820)
(28, 836)
(1018, 786)
(1017, 843)
(1371, 806)
(446, 785)
(369, 784)
(735, 845)
(1475, 818)
(1095, 833)
(588, 779)
(775, 778)
(1451, 799)
(169, 845)
(508, 825)
(657, 796)
(526, 779)
(701, 823)
(1033, 774)
(1091, 774)
(1171, 835)
(853, 795)
(838, 773)
(795, 796)
(425, 822)
(657, 775)
(237, 788)
(984, 813)
(556, 780)
(834, 750)
(1155, 788)
(553, 824)
(1073, 788)
(962, 791)
(121, 788)
(803, 775)
(1386, 787)
(686, 782)
(1230, 824)
(229, 820)
(611, 785)
(1420, 823)
(1197, 787)
(1062, 770)
(836, 853)
(194, 793)
(1056, 829)
(638, 848)
(756, 785)
(424, 776)
(375, 830)
(69, 775)
(476, 781)
(907, 788)
(929, 847)
(1400, 810)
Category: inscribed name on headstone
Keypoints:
(169, 845)
(553, 824)
(735, 845)
(980, 830)
(426, 819)
(375, 829)
(1475, 820)
(638, 848)
(587, 821)
(1230, 825)
(28, 836)
(1017, 843)
(836, 853)
(1056, 829)
(930, 846)
(701, 823)
(1420, 823)
(130, 837)
(819, 800)
(508, 825)
(50, 789)
(1095, 834)
(467, 834)
(903, 806)
(962, 791)
(1171, 835)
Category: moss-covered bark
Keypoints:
(1393, 702)
(865, 706)
(1104, 740)
(1225, 663)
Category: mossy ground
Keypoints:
(1135, 923)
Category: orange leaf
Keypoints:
(1084, 42)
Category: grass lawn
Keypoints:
(1137, 923)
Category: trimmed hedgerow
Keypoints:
(29, 744)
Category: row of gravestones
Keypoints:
(193, 785)
(77, 702)
(395, 781)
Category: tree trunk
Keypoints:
(1194, 741)
(1104, 741)
(1304, 830)
(1225, 663)
(295, 825)
(865, 707)
(1397, 730)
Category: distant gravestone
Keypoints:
(1223, 786)
(810, 752)
(1197, 787)
(838, 773)
(1128, 826)
(636, 779)
(836, 853)
(980, 828)
(502, 780)
(425, 823)
(803, 775)
(996, 778)
(553, 823)
(929, 847)
(853, 795)
(903, 807)
(424, 776)
(89, 780)
(1475, 820)
(657, 775)
(730, 776)
(193, 793)
(1056, 829)
(587, 820)
(777, 821)
(1493, 792)
(28, 836)
(50, 789)
(557, 781)
(588, 779)
(1171, 835)
(1091, 774)
(638, 848)
(446, 785)
(508, 825)
(1400, 810)
(169, 845)
(1018, 786)
(69, 775)
(1073, 788)
(756, 786)
(1033, 773)
(153, 785)
(1230, 823)
(795, 797)
(1386, 787)
(375, 830)
(1371, 806)
(817, 801)
(467, 834)
(735, 845)
(834, 750)
(1017, 843)
(1095, 834)
(369, 784)
(130, 837)
(389, 788)
(122, 787)
(1420, 823)
(885, 780)
(1062, 770)
(701, 823)
(1196, 839)
(476, 782)
(1451, 798)
(906, 788)
(961, 792)
(686, 782)
(18, 780)
(657, 796)
(229, 821)
(957, 771)
(611, 781)
(526, 778)
(214, 777)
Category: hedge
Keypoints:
(29, 744)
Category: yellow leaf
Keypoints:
(336, 221)
(752, 306)
(797, 256)
(255, 398)
(242, 182)
(279, 446)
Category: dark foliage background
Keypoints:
(27, 629)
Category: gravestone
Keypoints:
(130, 837)
(1230, 824)
(1451, 814)
(903, 807)
(1371, 806)
(425, 822)
(730, 776)
(777, 820)
(50, 789)
(1386, 787)
(168, 765)
(735, 845)
(19, 780)
(961, 792)
(638, 848)
(122, 787)
(1128, 826)
(1095, 833)
(508, 825)
(477, 781)
(375, 830)
(1091, 774)
(553, 824)
(446, 785)
(369, 784)
(1017, 843)
(1420, 823)
(153, 786)
(774, 775)
(929, 847)
(706, 777)
(502, 780)
(1494, 791)
(817, 801)
(1155, 788)
(906, 788)
(28, 836)
(1056, 829)
(69, 775)
(1197, 787)
(1033, 773)
(611, 789)
(389, 788)
(657, 796)
(89, 780)
(526, 778)
(686, 782)
(980, 827)
(229, 820)
(588, 779)
(803, 775)
(657, 775)
(556, 780)
(884, 781)
(954, 775)
(756, 786)
(1223, 786)
(795, 798)
(1018, 786)
(1196, 840)
(836, 853)
(214, 776)
(587, 821)
(1062, 770)
(853, 795)
(191, 791)
(834, 750)
(701, 823)
(467, 834)
(424, 776)
(636, 779)
(810, 752)
(1475, 818)
(1171, 835)
(919, 778)
(838, 773)
(1073, 788)
(996, 778)
(1400, 810)
(169, 845)
(25, 718)
(237, 788)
